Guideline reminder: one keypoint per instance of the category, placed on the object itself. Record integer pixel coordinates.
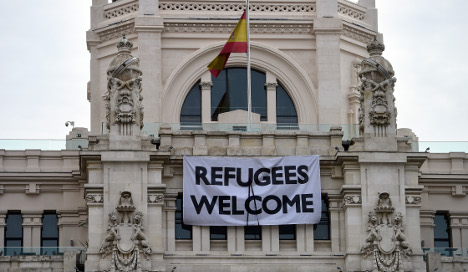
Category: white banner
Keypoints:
(226, 191)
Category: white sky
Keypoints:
(46, 66)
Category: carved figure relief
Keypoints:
(377, 113)
(124, 109)
(125, 239)
(385, 240)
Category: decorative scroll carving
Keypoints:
(155, 199)
(206, 85)
(227, 28)
(385, 239)
(410, 199)
(377, 116)
(351, 200)
(271, 85)
(94, 198)
(125, 239)
(124, 109)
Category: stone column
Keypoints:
(353, 220)
(3, 215)
(170, 210)
(205, 87)
(427, 228)
(305, 239)
(32, 223)
(149, 27)
(271, 101)
(371, 13)
(335, 209)
(327, 31)
(459, 228)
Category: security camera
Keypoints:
(67, 123)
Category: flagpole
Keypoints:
(249, 85)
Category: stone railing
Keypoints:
(352, 11)
(120, 8)
(235, 6)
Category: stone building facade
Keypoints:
(321, 87)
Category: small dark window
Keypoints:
(78, 135)
(442, 232)
(190, 116)
(218, 232)
(322, 229)
(49, 233)
(13, 233)
(253, 233)
(182, 231)
(286, 115)
(287, 232)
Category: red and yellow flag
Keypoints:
(237, 43)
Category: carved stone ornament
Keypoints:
(155, 199)
(125, 240)
(352, 200)
(94, 198)
(377, 113)
(411, 199)
(124, 109)
(385, 240)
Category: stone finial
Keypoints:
(375, 48)
(124, 44)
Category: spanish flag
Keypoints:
(237, 43)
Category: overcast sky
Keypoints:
(45, 66)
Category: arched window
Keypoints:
(229, 92)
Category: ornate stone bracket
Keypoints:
(352, 200)
(413, 200)
(385, 240)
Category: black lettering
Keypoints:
(228, 173)
(222, 204)
(200, 173)
(289, 175)
(215, 176)
(265, 178)
(306, 203)
(239, 177)
(276, 174)
(265, 204)
(234, 206)
(204, 201)
(302, 171)
(291, 202)
(247, 205)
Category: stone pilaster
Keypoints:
(3, 215)
(205, 87)
(327, 31)
(271, 101)
(32, 223)
(459, 229)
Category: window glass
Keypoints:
(442, 230)
(322, 229)
(182, 231)
(191, 109)
(287, 232)
(13, 233)
(252, 232)
(229, 92)
(218, 232)
(49, 233)
(286, 114)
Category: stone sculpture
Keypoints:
(124, 109)
(385, 239)
(125, 239)
(377, 113)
